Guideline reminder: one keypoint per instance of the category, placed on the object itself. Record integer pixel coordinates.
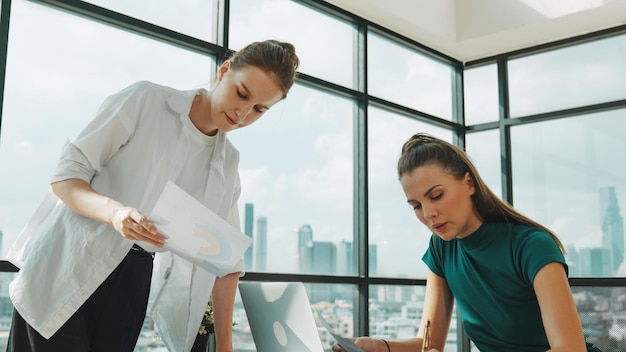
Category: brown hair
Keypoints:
(273, 56)
(422, 149)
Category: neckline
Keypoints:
(479, 238)
(193, 132)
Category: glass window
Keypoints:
(484, 150)
(195, 18)
(601, 311)
(297, 181)
(570, 77)
(574, 183)
(49, 101)
(396, 312)
(481, 94)
(323, 43)
(407, 77)
(397, 238)
(6, 308)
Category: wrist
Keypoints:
(386, 345)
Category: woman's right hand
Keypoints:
(79, 196)
(135, 226)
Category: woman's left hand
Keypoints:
(367, 344)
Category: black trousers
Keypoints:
(110, 320)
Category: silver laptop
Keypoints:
(280, 316)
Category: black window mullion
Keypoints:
(5, 14)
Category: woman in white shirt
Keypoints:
(86, 261)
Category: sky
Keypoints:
(297, 162)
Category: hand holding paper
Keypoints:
(196, 233)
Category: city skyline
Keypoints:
(606, 259)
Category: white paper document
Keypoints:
(346, 343)
(196, 233)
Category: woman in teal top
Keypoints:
(506, 272)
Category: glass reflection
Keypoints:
(324, 43)
(481, 94)
(195, 18)
(573, 183)
(484, 150)
(297, 180)
(397, 238)
(570, 77)
(407, 77)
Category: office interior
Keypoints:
(534, 91)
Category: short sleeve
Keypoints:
(432, 257)
(535, 249)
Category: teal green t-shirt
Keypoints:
(490, 274)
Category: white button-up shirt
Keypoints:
(141, 138)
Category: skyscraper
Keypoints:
(319, 258)
(260, 245)
(345, 266)
(344, 258)
(324, 262)
(594, 262)
(248, 230)
(612, 227)
(305, 249)
(573, 260)
(324, 258)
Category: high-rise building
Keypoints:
(305, 249)
(573, 260)
(324, 258)
(318, 258)
(594, 262)
(260, 245)
(612, 227)
(344, 258)
(345, 266)
(324, 262)
(248, 229)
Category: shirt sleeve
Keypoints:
(536, 248)
(432, 257)
(111, 129)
